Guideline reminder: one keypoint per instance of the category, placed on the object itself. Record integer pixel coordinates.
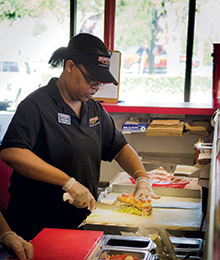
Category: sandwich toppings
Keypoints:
(129, 205)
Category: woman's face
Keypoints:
(80, 86)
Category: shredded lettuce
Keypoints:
(131, 209)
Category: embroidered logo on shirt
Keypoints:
(64, 119)
(94, 121)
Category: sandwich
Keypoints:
(129, 205)
(122, 257)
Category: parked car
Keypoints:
(16, 79)
(132, 61)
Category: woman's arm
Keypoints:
(4, 227)
(28, 164)
(128, 159)
(31, 166)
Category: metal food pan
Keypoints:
(187, 245)
(105, 252)
(129, 242)
(183, 257)
(110, 229)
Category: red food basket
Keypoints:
(180, 185)
(171, 185)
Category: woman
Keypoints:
(57, 139)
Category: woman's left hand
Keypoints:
(144, 191)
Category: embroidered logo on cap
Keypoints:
(104, 61)
(94, 121)
(64, 119)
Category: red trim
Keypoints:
(216, 75)
(109, 24)
(120, 108)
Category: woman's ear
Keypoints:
(69, 66)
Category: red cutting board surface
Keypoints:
(65, 244)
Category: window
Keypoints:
(154, 38)
(151, 35)
(153, 46)
(32, 31)
(154, 50)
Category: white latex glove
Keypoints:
(22, 249)
(144, 191)
(81, 196)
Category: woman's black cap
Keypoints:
(90, 51)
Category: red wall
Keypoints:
(5, 173)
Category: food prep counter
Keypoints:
(106, 233)
(177, 214)
(177, 210)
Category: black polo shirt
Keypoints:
(46, 125)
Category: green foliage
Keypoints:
(134, 20)
(85, 8)
(162, 84)
(13, 9)
(200, 83)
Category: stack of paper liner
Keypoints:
(165, 127)
(198, 127)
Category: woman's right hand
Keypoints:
(22, 249)
(81, 196)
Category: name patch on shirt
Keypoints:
(64, 119)
(94, 121)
